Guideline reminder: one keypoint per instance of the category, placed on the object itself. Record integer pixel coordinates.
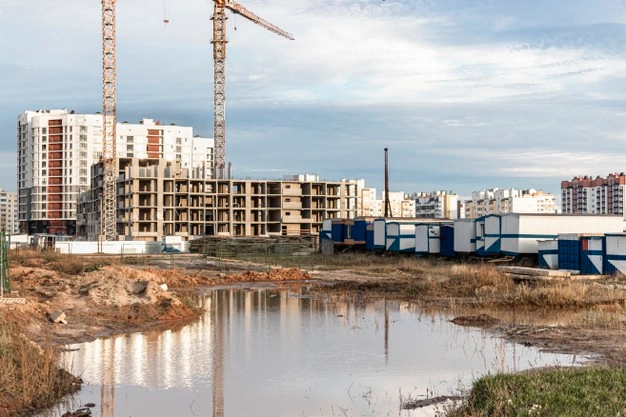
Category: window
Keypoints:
(83, 129)
(130, 139)
(129, 147)
(44, 130)
(83, 138)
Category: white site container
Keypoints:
(464, 236)
(380, 233)
(492, 234)
(427, 239)
(615, 255)
(400, 236)
(548, 253)
(521, 232)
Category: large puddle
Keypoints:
(278, 352)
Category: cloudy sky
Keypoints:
(466, 94)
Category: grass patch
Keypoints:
(571, 392)
(30, 378)
(473, 284)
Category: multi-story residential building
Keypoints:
(594, 196)
(437, 204)
(401, 204)
(8, 212)
(509, 200)
(158, 198)
(56, 149)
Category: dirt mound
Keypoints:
(108, 300)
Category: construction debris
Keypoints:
(58, 317)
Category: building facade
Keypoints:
(401, 204)
(8, 212)
(437, 204)
(509, 200)
(56, 149)
(584, 194)
(158, 198)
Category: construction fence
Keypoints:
(5, 282)
(279, 251)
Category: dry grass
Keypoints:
(475, 284)
(30, 378)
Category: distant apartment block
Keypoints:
(437, 204)
(56, 149)
(401, 204)
(509, 200)
(8, 212)
(158, 198)
(594, 196)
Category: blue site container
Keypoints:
(569, 251)
(592, 253)
(339, 231)
(446, 240)
(369, 236)
(359, 230)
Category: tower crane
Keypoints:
(219, 58)
(109, 116)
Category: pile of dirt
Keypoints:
(96, 303)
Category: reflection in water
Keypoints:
(276, 352)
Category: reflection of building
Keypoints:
(509, 200)
(157, 198)
(594, 196)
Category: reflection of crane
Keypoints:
(219, 58)
(109, 151)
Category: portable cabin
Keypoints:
(327, 229)
(400, 236)
(369, 236)
(592, 252)
(326, 244)
(569, 251)
(488, 234)
(428, 238)
(464, 236)
(358, 232)
(520, 232)
(615, 253)
(446, 240)
(548, 254)
(380, 234)
(341, 230)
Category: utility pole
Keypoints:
(388, 212)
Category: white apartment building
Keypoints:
(8, 212)
(402, 205)
(56, 149)
(509, 200)
(437, 204)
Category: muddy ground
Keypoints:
(114, 299)
(101, 300)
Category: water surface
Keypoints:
(280, 352)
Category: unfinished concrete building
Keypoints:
(159, 198)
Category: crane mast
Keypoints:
(109, 116)
(219, 78)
